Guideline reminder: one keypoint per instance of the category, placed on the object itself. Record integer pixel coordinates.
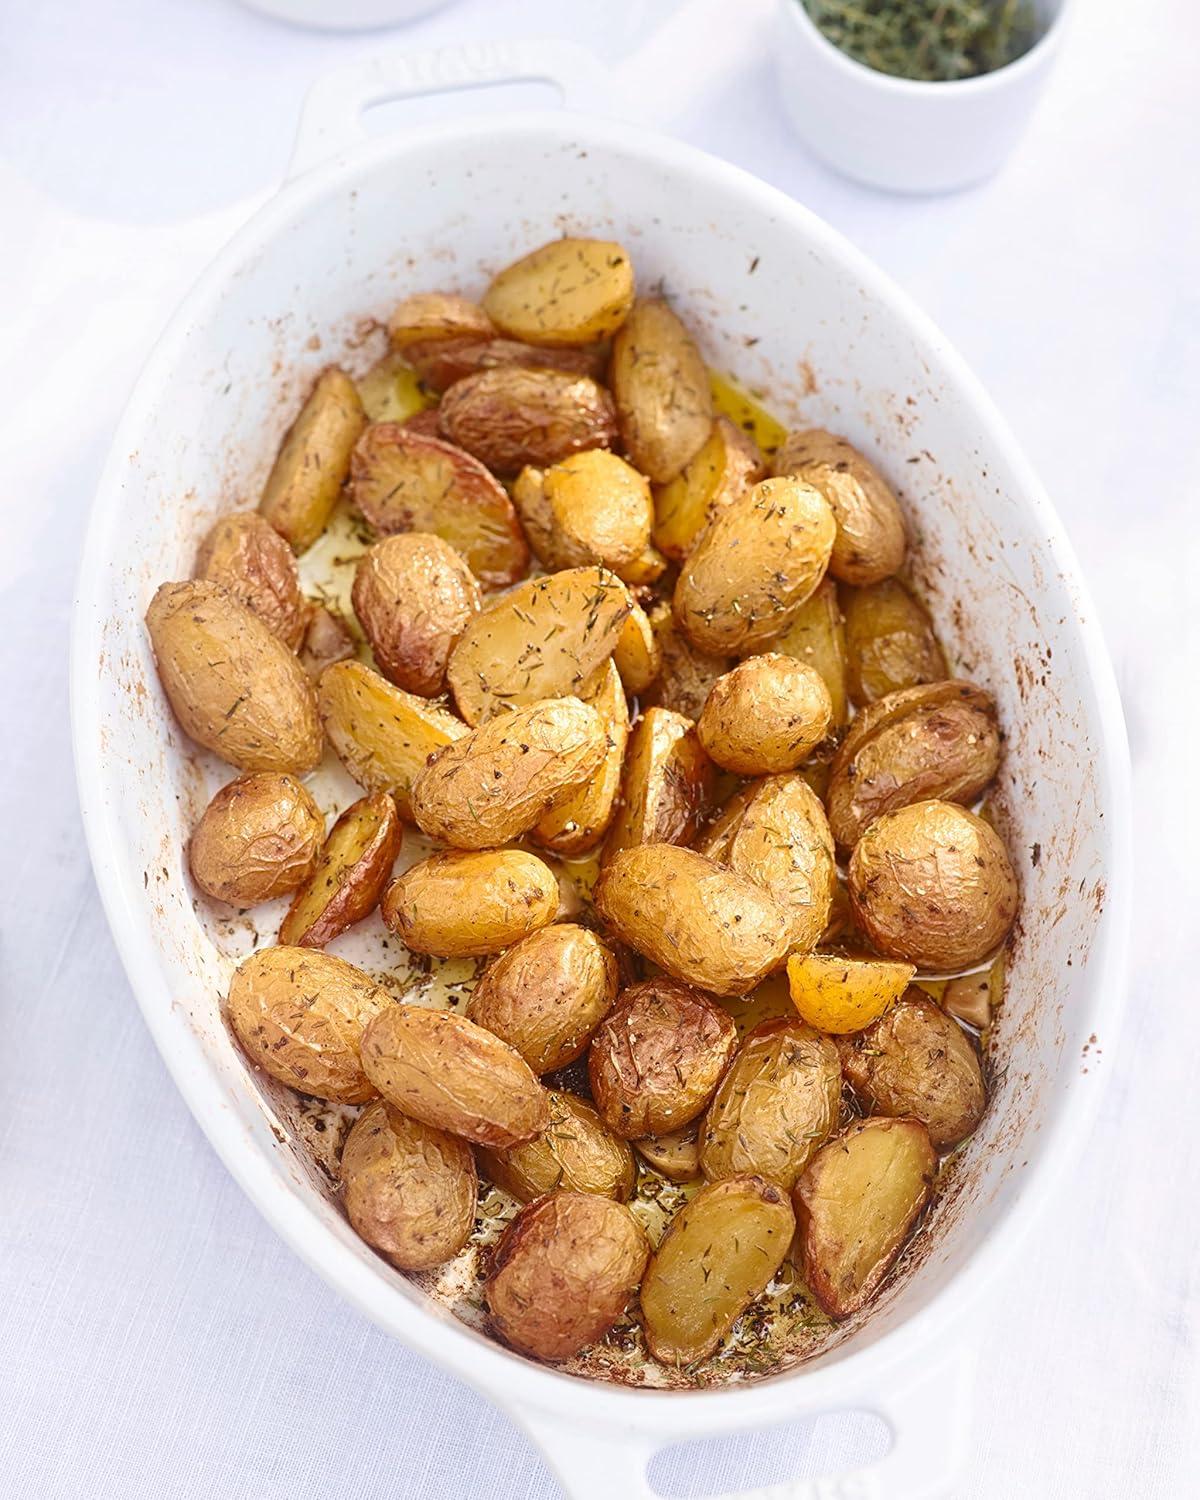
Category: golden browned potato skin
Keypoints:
(578, 824)
(667, 785)
(414, 595)
(510, 417)
(349, 877)
(721, 1250)
(544, 639)
(246, 555)
(725, 467)
(660, 382)
(440, 1068)
(779, 1101)
(932, 884)
(464, 904)
(437, 315)
(890, 643)
(675, 1155)
(441, 363)
(547, 995)
(563, 1273)
(753, 567)
(232, 683)
(939, 741)
(300, 1014)
(870, 541)
(638, 656)
(258, 838)
(327, 639)
(314, 460)
(496, 783)
(855, 1207)
(656, 1059)
(701, 922)
(405, 480)
(686, 674)
(570, 291)
(599, 508)
(915, 1060)
(766, 715)
(817, 637)
(380, 733)
(409, 1189)
(576, 1151)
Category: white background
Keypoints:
(155, 1338)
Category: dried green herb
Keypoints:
(935, 41)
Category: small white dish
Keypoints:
(897, 133)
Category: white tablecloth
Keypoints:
(156, 1340)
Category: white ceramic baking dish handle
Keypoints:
(928, 1415)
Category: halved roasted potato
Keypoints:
(314, 460)
(660, 382)
(350, 874)
(246, 555)
(570, 291)
(576, 1151)
(844, 994)
(510, 417)
(391, 391)
(890, 642)
(599, 509)
(638, 656)
(577, 824)
(817, 637)
(441, 363)
(258, 838)
(782, 842)
(766, 715)
(675, 1155)
(725, 467)
(466, 903)
(667, 784)
(686, 675)
(437, 315)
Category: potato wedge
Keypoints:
(246, 555)
(547, 995)
(701, 922)
(576, 1151)
(578, 824)
(404, 481)
(259, 837)
(667, 784)
(783, 843)
(391, 391)
(838, 995)
(599, 508)
(645, 569)
(726, 466)
(870, 541)
(638, 656)
(409, 1189)
(444, 1070)
(660, 382)
(777, 1104)
(817, 637)
(463, 904)
(543, 639)
(687, 674)
(437, 315)
(234, 686)
(381, 734)
(327, 639)
(767, 715)
(563, 1273)
(676, 1155)
(353, 868)
(856, 1206)
(890, 643)
(496, 784)
(510, 417)
(300, 1014)
(414, 595)
(570, 291)
(314, 460)
(441, 363)
(721, 1251)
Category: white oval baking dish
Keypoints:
(784, 303)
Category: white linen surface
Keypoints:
(156, 1340)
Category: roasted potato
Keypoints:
(306, 480)
(838, 995)
(701, 922)
(414, 595)
(939, 741)
(753, 567)
(686, 674)
(667, 784)
(440, 1068)
(544, 639)
(660, 382)
(856, 1206)
(353, 868)
(968, 998)
(437, 315)
(599, 510)
(463, 904)
(817, 637)
(547, 995)
(657, 1057)
(246, 555)
(300, 1016)
(916, 1061)
(496, 784)
(391, 391)
(441, 363)
(638, 656)
(327, 639)
(382, 735)
(725, 467)
(766, 715)
(233, 684)
(717, 839)
(258, 838)
(675, 1155)
(570, 291)
(931, 884)
(645, 569)
(890, 642)
(720, 1252)
(576, 1151)
(870, 539)
(403, 480)
(578, 824)
(409, 1189)
(563, 1273)
(510, 417)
